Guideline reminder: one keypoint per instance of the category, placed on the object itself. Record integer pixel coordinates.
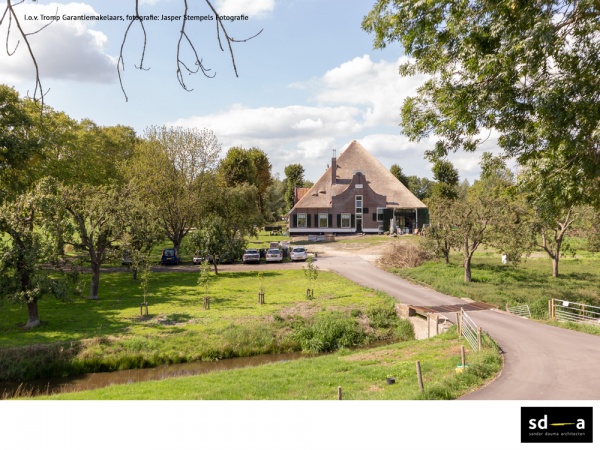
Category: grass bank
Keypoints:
(109, 334)
(530, 282)
(362, 375)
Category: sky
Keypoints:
(309, 83)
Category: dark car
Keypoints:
(251, 256)
(169, 256)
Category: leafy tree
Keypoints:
(527, 70)
(422, 188)
(142, 232)
(275, 201)
(94, 219)
(294, 174)
(554, 193)
(23, 280)
(171, 169)
(20, 150)
(447, 179)
(249, 166)
(311, 273)
(396, 170)
(440, 237)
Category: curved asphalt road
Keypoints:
(541, 362)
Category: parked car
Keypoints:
(298, 254)
(274, 255)
(169, 256)
(126, 259)
(251, 256)
(197, 259)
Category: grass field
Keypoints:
(109, 334)
(362, 375)
(530, 282)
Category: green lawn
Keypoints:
(530, 282)
(110, 334)
(361, 374)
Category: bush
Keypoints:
(328, 332)
(402, 255)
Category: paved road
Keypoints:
(541, 362)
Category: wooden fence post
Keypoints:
(479, 338)
(339, 392)
(419, 376)
(462, 356)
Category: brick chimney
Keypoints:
(333, 169)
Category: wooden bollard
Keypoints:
(420, 376)
(339, 392)
(462, 356)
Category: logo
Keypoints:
(557, 424)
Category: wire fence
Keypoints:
(567, 311)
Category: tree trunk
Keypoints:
(556, 257)
(215, 265)
(33, 320)
(467, 264)
(555, 266)
(95, 281)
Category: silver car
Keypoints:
(251, 256)
(274, 255)
(298, 254)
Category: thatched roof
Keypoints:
(356, 159)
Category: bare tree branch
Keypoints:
(10, 16)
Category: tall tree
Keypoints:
(20, 150)
(250, 166)
(447, 179)
(396, 170)
(94, 223)
(421, 187)
(528, 70)
(26, 246)
(294, 177)
(554, 194)
(170, 170)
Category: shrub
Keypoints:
(328, 332)
(402, 255)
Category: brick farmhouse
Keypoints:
(356, 194)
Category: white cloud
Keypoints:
(66, 49)
(376, 86)
(359, 99)
(253, 8)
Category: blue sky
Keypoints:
(309, 83)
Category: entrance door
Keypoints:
(359, 225)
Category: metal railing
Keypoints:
(520, 310)
(470, 331)
(573, 312)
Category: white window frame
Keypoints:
(358, 200)
(321, 216)
(380, 213)
(301, 216)
(347, 216)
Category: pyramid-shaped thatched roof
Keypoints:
(356, 159)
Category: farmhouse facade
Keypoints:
(357, 194)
